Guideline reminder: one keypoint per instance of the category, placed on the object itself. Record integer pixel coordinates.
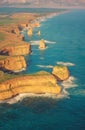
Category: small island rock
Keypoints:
(42, 44)
(60, 72)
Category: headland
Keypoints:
(13, 48)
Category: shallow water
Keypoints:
(65, 40)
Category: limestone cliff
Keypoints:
(22, 49)
(13, 64)
(38, 84)
(42, 44)
(60, 72)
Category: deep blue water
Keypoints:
(66, 43)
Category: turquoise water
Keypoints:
(65, 40)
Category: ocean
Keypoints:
(64, 36)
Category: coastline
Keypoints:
(15, 34)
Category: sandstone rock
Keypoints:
(37, 83)
(42, 44)
(38, 33)
(15, 31)
(13, 64)
(23, 49)
(60, 72)
(30, 32)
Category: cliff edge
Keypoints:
(13, 64)
(38, 83)
(60, 72)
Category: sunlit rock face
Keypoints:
(39, 83)
(13, 64)
(23, 49)
(60, 72)
(42, 44)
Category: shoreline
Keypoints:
(15, 34)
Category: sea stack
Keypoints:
(60, 72)
(30, 32)
(42, 44)
(38, 33)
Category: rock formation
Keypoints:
(60, 72)
(30, 32)
(22, 49)
(38, 33)
(37, 83)
(42, 45)
(13, 64)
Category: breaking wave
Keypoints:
(69, 83)
(20, 97)
(79, 92)
(65, 63)
(52, 42)
(45, 66)
(38, 41)
(35, 42)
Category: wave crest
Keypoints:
(45, 66)
(65, 63)
(38, 41)
(69, 83)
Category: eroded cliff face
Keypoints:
(23, 49)
(38, 84)
(60, 72)
(13, 64)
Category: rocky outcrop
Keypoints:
(23, 49)
(38, 33)
(30, 32)
(37, 83)
(13, 64)
(42, 45)
(60, 72)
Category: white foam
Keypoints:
(45, 66)
(65, 63)
(38, 41)
(35, 42)
(69, 83)
(52, 42)
(20, 97)
(80, 92)
(63, 94)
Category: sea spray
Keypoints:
(69, 83)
